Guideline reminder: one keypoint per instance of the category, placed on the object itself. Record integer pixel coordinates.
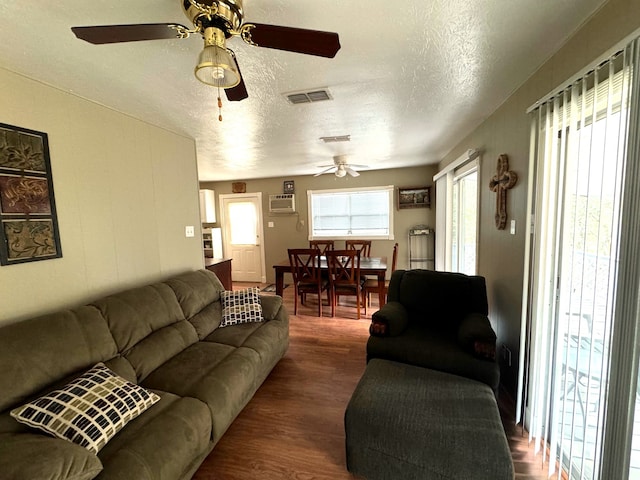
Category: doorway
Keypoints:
(242, 235)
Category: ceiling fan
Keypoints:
(341, 167)
(217, 21)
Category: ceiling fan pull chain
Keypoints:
(219, 106)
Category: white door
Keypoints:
(242, 239)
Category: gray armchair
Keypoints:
(437, 320)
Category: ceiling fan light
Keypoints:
(340, 171)
(216, 67)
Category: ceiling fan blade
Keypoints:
(310, 42)
(353, 165)
(239, 92)
(102, 34)
(352, 172)
(324, 171)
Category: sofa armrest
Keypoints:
(44, 457)
(476, 335)
(390, 321)
(271, 305)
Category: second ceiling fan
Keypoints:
(217, 21)
(341, 167)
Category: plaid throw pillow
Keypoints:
(88, 411)
(241, 306)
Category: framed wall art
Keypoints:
(414, 197)
(28, 221)
(239, 187)
(288, 186)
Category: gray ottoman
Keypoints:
(405, 422)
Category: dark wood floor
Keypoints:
(293, 427)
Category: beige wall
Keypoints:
(288, 231)
(124, 192)
(501, 255)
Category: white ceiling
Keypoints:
(411, 79)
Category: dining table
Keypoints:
(374, 266)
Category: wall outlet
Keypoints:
(270, 224)
(189, 231)
(513, 227)
(506, 355)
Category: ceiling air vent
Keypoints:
(311, 96)
(336, 138)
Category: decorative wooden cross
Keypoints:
(503, 180)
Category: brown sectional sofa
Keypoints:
(164, 337)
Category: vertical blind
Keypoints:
(580, 142)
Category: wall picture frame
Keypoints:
(288, 186)
(239, 187)
(28, 219)
(414, 197)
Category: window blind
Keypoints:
(579, 137)
(346, 213)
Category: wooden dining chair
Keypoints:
(307, 278)
(344, 277)
(322, 245)
(363, 246)
(371, 284)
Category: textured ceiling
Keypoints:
(411, 79)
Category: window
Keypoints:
(351, 212)
(578, 393)
(457, 215)
(464, 222)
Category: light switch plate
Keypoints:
(189, 231)
(513, 227)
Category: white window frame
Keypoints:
(444, 181)
(388, 188)
(460, 174)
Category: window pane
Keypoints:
(464, 226)
(587, 281)
(243, 232)
(354, 213)
(455, 215)
(468, 223)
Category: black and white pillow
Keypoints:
(241, 306)
(88, 411)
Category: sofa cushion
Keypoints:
(222, 376)
(269, 340)
(148, 326)
(271, 306)
(207, 319)
(197, 292)
(35, 456)
(134, 314)
(160, 346)
(168, 441)
(241, 306)
(88, 411)
(42, 350)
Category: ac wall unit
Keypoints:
(283, 203)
